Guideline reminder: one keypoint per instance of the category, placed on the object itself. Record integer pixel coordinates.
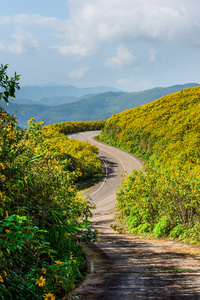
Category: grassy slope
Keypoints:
(168, 126)
(164, 200)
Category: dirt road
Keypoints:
(124, 266)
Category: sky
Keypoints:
(131, 45)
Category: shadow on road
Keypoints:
(126, 267)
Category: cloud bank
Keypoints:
(122, 58)
(94, 24)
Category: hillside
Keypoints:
(169, 125)
(163, 199)
(96, 107)
(36, 93)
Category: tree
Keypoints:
(8, 85)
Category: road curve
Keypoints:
(125, 266)
(115, 163)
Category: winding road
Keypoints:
(115, 163)
(125, 266)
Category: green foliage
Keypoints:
(42, 217)
(163, 198)
(8, 84)
(162, 227)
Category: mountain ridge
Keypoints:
(98, 107)
(36, 93)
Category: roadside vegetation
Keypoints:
(42, 217)
(164, 198)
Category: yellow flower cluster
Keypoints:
(166, 127)
(43, 271)
(1, 278)
(31, 120)
(58, 262)
(166, 131)
(2, 197)
(10, 134)
(2, 166)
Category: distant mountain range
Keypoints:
(38, 93)
(67, 103)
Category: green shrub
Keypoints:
(162, 228)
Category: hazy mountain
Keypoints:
(22, 101)
(47, 101)
(36, 93)
(97, 107)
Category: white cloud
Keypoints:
(95, 23)
(74, 49)
(26, 19)
(132, 83)
(22, 42)
(152, 55)
(78, 73)
(122, 58)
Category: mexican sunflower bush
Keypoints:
(163, 198)
(42, 217)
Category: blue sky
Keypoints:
(131, 44)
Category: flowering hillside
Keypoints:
(42, 217)
(163, 199)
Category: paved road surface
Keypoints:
(115, 163)
(124, 266)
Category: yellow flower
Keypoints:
(29, 122)
(1, 279)
(58, 262)
(2, 166)
(6, 213)
(9, 129)
(49, 296)
(10, 135)
(2, 197)
(41, 281)
(43, 271)
(5, 273)
(7, 231)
